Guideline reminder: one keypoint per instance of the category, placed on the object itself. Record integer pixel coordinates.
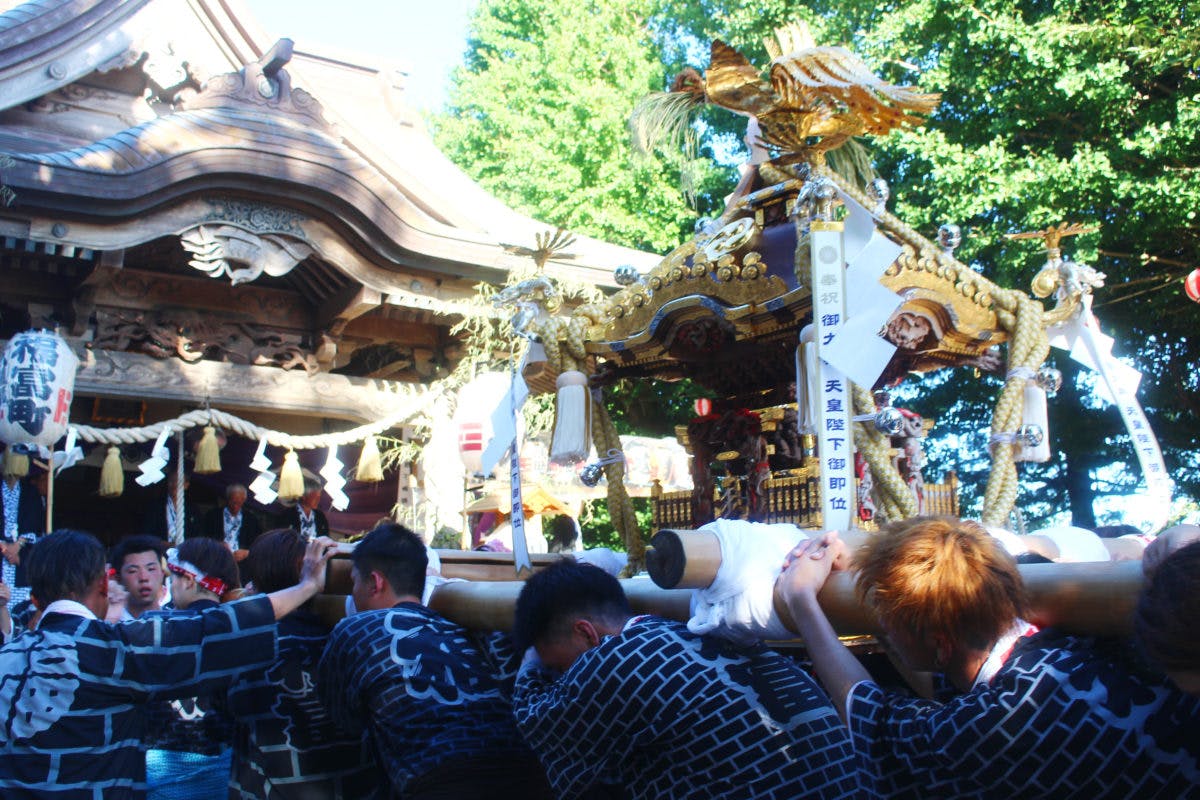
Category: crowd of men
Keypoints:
(244, 691)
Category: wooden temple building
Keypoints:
(214, 216)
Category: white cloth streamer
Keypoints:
(739, 604)
(605, 559)
(1009, 541)
(1076, 544)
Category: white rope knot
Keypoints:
(1024, 373)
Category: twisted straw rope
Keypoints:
(234, 424)
(1027, 349)
(895, 498)
(571, 354)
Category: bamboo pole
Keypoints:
(50, 495)
(687, 559)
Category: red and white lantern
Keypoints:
(473, 416)
(1191, 285)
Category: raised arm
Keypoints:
(807, 569)
(312, 578)
(188, 654)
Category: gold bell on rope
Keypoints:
(370, 469)
(112, 474)
(208, 453)
(291, 479)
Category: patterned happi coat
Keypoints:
(420, 689)
(665, 713)
(186, 724)
(286, 746)
(71, 693)
(1063, 718)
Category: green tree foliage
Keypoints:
(596, 525)
(538, 115)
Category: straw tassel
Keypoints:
(112, 474)
(370, 469)
(208, 453)
(291, 479)
(16, 465)
(571, 443)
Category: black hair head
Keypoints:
(397, 554)
(563, 592)
(64, 565)
(132, 545)
(274, 560)
(1167, 609)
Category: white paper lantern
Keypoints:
(37, 381)
(473, 416)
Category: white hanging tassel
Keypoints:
(571, 443)
(808, 387)
(1033, 415)
(291, 477)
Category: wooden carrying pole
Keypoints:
(489, 605)
(1084, 598)
(466, 564)
(1091, 598)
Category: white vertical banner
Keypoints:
(1082, 338)
(516, 398)
(1124, 395)
(517, 518)
(835, 437)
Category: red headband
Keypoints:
(212, 584)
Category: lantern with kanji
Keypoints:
(37, 380)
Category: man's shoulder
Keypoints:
(1062, 656)
(648, 625)
(643, 638)
(1083, 665)
(57, 633)
(401, 617)
(370, 623)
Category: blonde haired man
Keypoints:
(1038, 715)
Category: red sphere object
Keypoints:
(703, 406)
(1191, 285)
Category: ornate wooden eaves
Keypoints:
(730, 319)
(105, 373)
(46, 44)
